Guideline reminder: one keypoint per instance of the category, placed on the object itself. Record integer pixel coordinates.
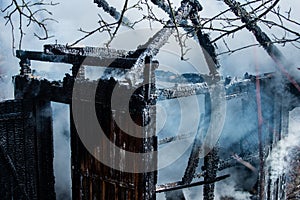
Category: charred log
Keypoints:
(182, 186)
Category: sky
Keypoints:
(74, 14)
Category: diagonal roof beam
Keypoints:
(178, 186)
(151, 48)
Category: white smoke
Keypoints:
(225, 188)
(8, 65)
(6, 88)
(280, 158)
(62, 150)
(228, 189)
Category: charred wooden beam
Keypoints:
(174, 138)
(29, 87)
(231, 162)
(151, 48)
(115, 62)
(188, 8)
(163, 188)
(233, 90)
(182, 91)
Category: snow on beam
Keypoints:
(124, 63)
(59, 49)
(174, 138)
(182, 91)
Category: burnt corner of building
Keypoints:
(27, 132)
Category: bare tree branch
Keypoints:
(32, 12)
(248, 23)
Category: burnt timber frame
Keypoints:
(26, 87)
(90, 178)
(61, 92)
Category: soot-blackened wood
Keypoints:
(91, 179)
(26, 150)
(124, 63)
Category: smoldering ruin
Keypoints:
(258, 107)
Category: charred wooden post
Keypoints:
(95, 180)
(211, 161)
(26, 150)
(25, 66)
(78, 71)
(266, 132)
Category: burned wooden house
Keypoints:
(99, 171)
